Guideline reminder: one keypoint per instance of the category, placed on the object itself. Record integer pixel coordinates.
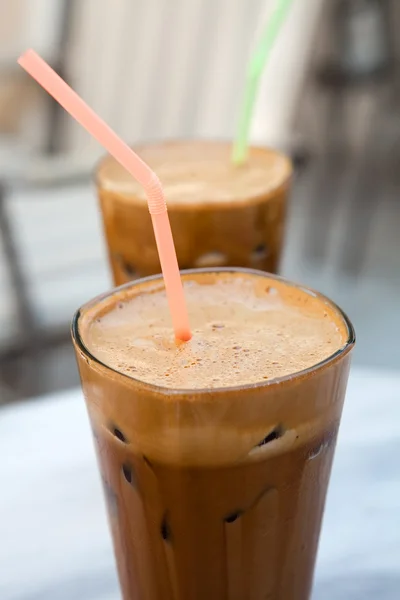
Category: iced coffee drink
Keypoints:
(215, 454)
(221, 214)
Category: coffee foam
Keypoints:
(247, 329)
(200, 172)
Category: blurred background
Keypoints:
(155, 69)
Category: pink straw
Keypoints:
(77, 108)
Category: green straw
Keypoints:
(255, 69)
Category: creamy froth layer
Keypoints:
(247, 329)
(200, 173)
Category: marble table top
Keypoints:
(55, 543)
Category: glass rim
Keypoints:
(265, 384)
(191, 140)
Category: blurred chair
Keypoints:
(30, 166)
(356, 78)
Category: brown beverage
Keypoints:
(215, 454)
(221, 215)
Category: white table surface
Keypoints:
(54, 538)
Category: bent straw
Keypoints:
(77, 108)
(255, 69)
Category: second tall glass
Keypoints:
(221, 214)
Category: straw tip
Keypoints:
(184, 336)
(239, 155)
(26, 56)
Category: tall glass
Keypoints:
(214, 494)
(221, 215)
